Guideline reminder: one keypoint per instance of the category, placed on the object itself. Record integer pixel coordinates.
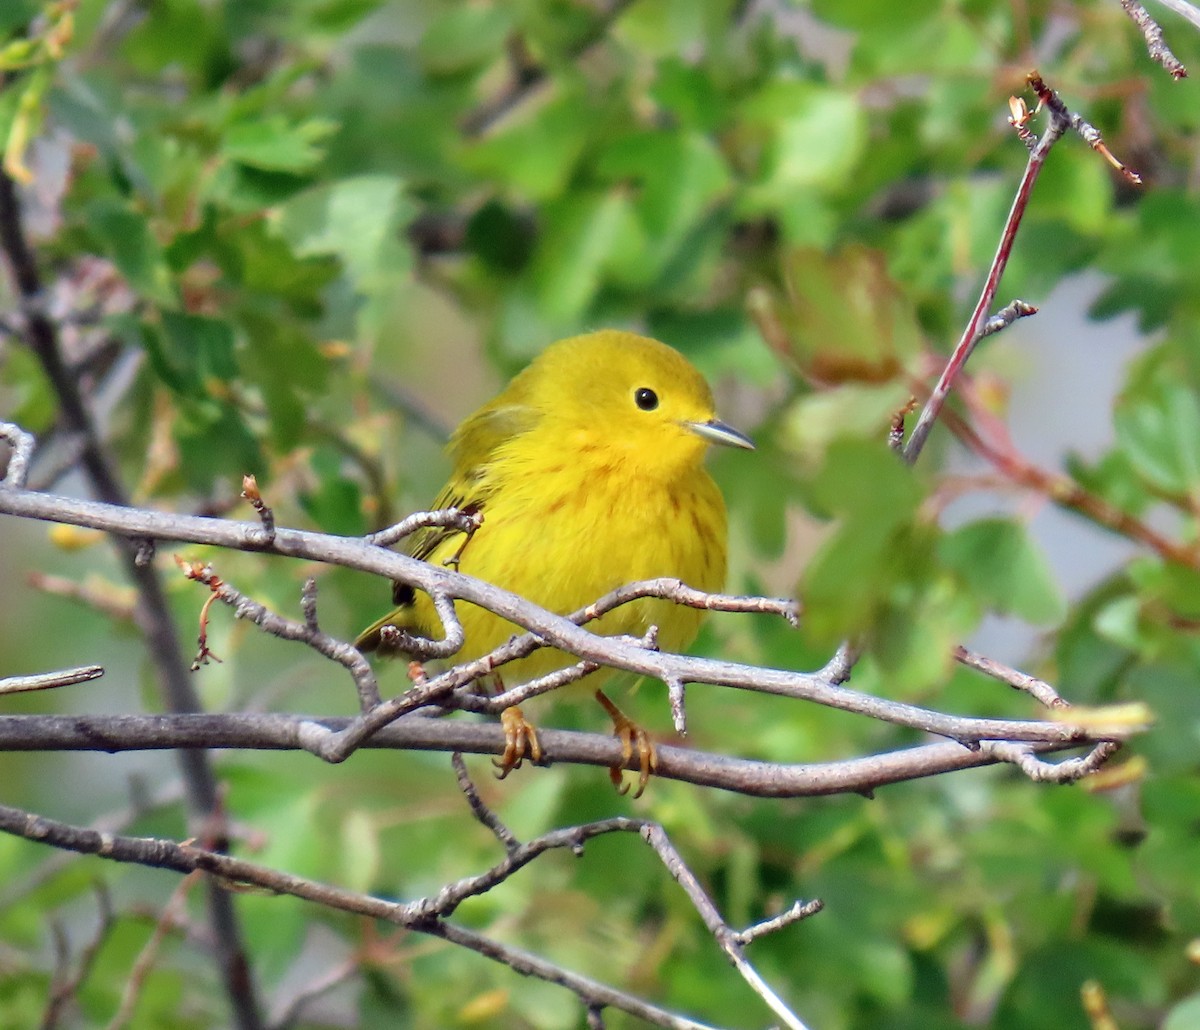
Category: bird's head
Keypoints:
(617, 396)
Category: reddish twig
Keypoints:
(1065, 492)
(973, 332)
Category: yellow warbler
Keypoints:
(588, 470)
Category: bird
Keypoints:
(587, 472)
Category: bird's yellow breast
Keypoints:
(575, 520)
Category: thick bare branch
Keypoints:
(547, 628)
(280, 732)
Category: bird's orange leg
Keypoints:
(631, 735)
(520, 742)
(520, 737)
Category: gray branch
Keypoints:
(288, 732)
(547, 629)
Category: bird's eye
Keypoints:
(645, 398)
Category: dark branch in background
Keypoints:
(153, 615)
(528, 77)
(1155, 45)
(65, 983)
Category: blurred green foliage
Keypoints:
(325, 230)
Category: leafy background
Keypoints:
(302, 239)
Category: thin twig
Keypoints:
(545, 628)
(527, 79)
(1155, 44)
(799, 911)
(66, 982)
(114, 602)
(448, 518)
(22, 444)
(305, 632)
(251, 493)
(1184, 9)
(49, 680)
(480, 810)
(173, 911)
(1062, 490)
(468, 700)
(973, 332)
(322, 984)
(726, 937)
(1066, 771)
(1005, 317)
(1038, 689)
(395, 640)
(17, 890)
(1050, 100)
(420, 916)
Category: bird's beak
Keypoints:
(716, 431)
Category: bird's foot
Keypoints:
(631, 736)
(520, 742)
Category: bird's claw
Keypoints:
(631, 736)
(520, 742)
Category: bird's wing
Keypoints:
(473, 448)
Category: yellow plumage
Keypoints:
(589, 472)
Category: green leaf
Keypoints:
(16, 14)
(818, 420)
(359, 220)
(202, 345)
(846, 318)
(359, 843)
(463, 37)
(582, 235)
(536, 152)
(868, 482)
(125, 237)
(812, 138)
(275, 144)
(688, 91)
(1004, 569)
(876, 545)
(216, 444)
(1184, 1016)
(1159, 430)
(675, 179)
(336, 503)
